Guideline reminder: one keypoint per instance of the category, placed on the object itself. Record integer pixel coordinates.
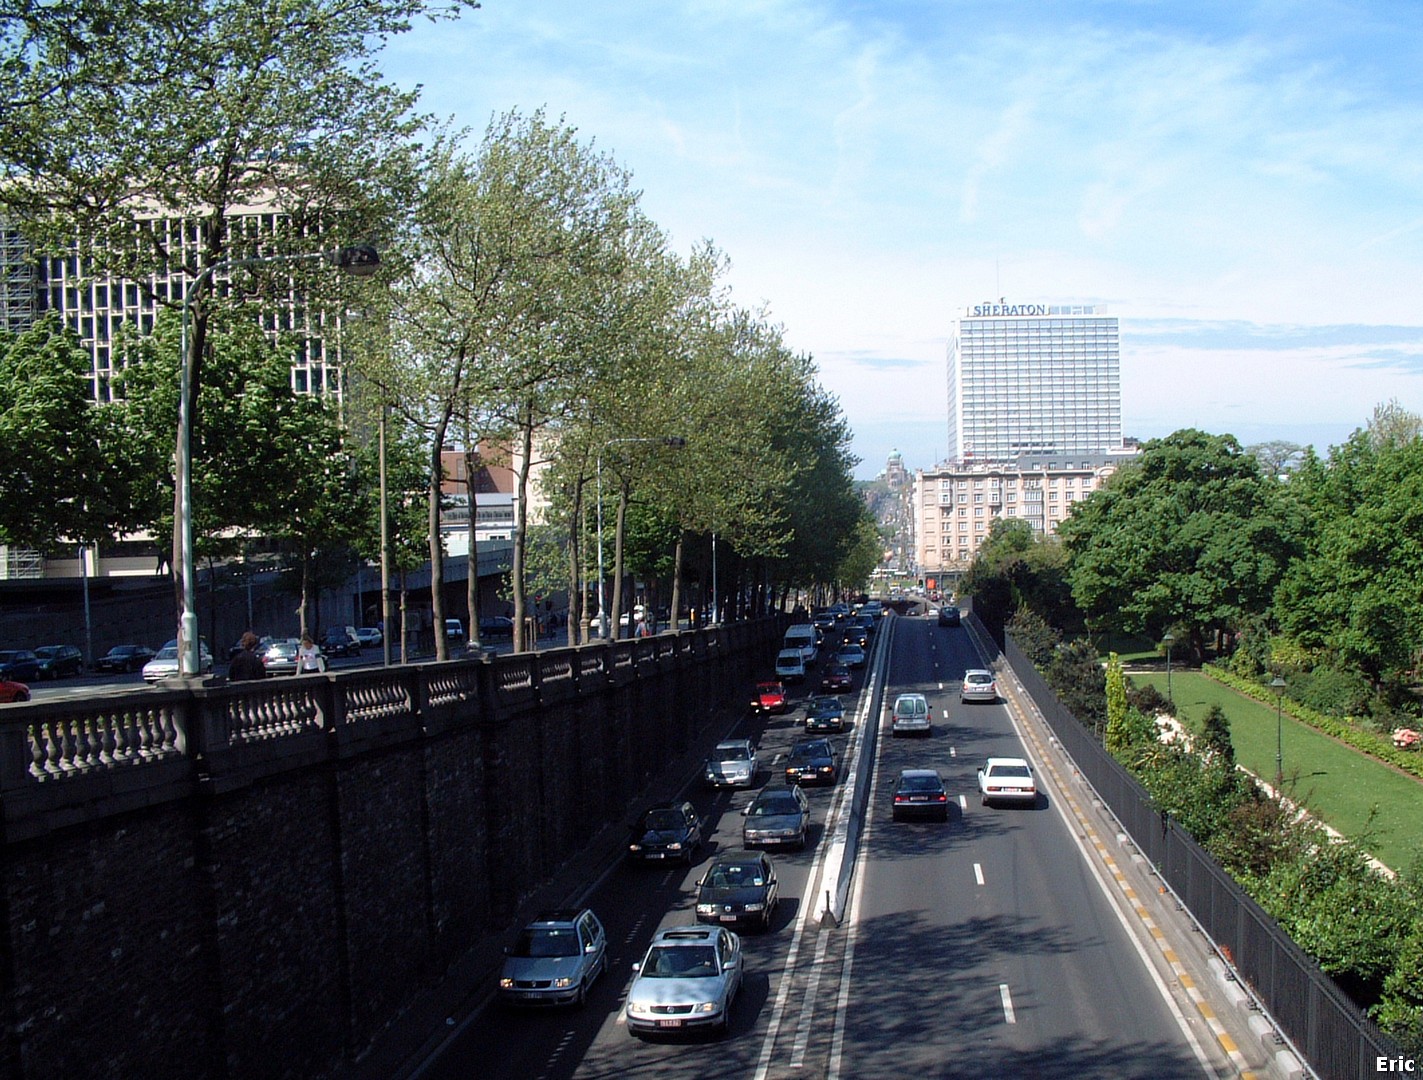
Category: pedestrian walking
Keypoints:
(247, 664)
(309, 658)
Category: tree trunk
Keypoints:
(521, 519)
(676, 583)
(472, 465)
(437, 548)
(617, 612)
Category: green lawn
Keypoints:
(1339, 785)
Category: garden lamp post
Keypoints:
(1167, 639)
(1277, 684)
(360, 261)
(674, 441)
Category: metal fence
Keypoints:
(1324, 1025)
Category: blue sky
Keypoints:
(1240, 183)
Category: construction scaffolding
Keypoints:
(18, 302)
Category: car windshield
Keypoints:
(1009, 770)
(775, 807)
(735, 876)
(547, 941)
(919, 783)
(663, 820)
(681, 962)
(733, 753)
(979, 678)
(168, 652)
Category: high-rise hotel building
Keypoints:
(1034, 379)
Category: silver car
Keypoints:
(166, 664)
(555, 960)
(280, 657)
(777, 816)
(687, 981)
(732, 764)
(979, 685)
(910, 716)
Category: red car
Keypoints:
(13, 691)
(837, 679)
(770, 697)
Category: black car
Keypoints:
(19, 665)
(739, 887)
(814, 761)
(824, 714)
(495, 627)
(920, 793)
(666, 831)
(123, 658)
(337, 641)
(948, 616)
(57, 661)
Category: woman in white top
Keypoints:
(309, 658)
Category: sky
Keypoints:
(1239, 182)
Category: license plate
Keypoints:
(669, 1023)
(728, 918)
(657, 855)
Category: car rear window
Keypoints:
(1009, 770)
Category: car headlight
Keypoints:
(634, 847)
(706, 1007)
(637, 1008)
(705, 909)
(755, 907)
(506, 983)
(675, 845)
(562, 982)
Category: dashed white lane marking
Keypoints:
(802, 1038)
(978, 873)
(963, 802)
(1008, 1015)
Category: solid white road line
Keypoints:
(1008, 1014)
(978, 873)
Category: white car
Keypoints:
(790, 666)
(1007, 779)
(686, 982)
(165, 664)
(732, 764)
(910, 716)
(978, 685)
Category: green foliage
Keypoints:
(1015, 569)
(1116, 738)
(1079, 682)
(1199, 793)
(1215, 736)
(1332, 691)
(1035, 636)
(1148, 699)
(1400, 1011)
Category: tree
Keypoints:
(1116, 739)
(134, 133)
(1187, 533)
(1215, 736)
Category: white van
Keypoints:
(789, 666)
(803, 636)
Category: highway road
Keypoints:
(985, 947)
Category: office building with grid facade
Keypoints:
(1033, 379)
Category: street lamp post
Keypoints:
(361, 261)
(675, 441)
(1166, 640)
(1277, 684)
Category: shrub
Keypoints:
(1037, 639)
(1215, 735)
(1148, 699)
(1332, 691)
(1079, 682)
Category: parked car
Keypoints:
(1004, 779)
(814, 761)
(454, 630)
(948, 616)
(19, 664)
(11, 691)
(124, 658)
(556, 958)
(280, 656)
(851, 655)
(837, 679)
(790, 666)
(910, 716)
(370, 636)
(666, 831)
(824, 713)
(776, 817)
(732, 764)
(770, 697)
(739, 887)
(687, 981)
(340, 641)
(978, 685)
(166, 664)
(56, 661)
(495, 627)
(920, 793)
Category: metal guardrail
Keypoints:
(1329, 1030)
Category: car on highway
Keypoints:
(687, 981)
(814, 761)
(19, 664)
(948, 615)
(978, 685)
(770, 697)
(777, 817)
(739, 888)
(57, 661)
(732, 763)
(280, 656)
(855, 632)
(824, 713)
(11, 691)
(837, 679)
(340, 641)
(124, 658)
(556, 958)
(166, 664)
(790, 666)
(920, 793)
(666, 831)
(851, 655)
(1007, 779)
(909, 715)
